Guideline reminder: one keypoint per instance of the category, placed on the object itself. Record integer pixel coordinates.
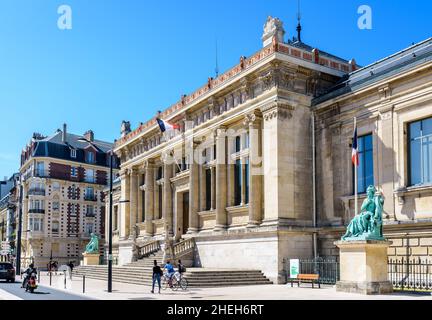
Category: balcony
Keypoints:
(90, 197)
(40, 211)
(36, 192)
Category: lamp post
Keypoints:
(110, 225)
(18, 249)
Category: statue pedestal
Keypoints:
(91, 259)
(364, 267)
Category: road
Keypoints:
(41, 293)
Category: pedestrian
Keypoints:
(157, 273)
(181, 268)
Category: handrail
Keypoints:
(183, 247)
(148, 249)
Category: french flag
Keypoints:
(166, 126)
(354, 154)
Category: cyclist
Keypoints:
(170, 272)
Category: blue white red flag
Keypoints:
(166, 126)
(354, 154)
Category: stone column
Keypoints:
(140, 211)
(255, 169)
(194, 194)
(125, 213)
(149, 199)
(167, 203)
(221, 216)
(279, 161)
(386, 160)
(133, 201)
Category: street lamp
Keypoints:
(18, 249)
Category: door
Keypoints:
(185, 212)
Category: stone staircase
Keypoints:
(140, 272)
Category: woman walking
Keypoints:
(157, 273)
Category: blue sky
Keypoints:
(124, 60)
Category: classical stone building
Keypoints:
(237, 176)
(260, 170)
(63, 178)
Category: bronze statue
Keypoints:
(368, 224)
(93, 245)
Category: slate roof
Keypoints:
(397, 63)
(54, 147)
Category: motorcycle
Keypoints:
(31, 283)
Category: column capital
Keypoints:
(277, 109)
(252, 118)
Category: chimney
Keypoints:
(64, 133)
(89, 135)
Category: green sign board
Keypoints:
(294, 268)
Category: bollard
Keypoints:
(38, 276)
(84, 284)
(65, 279)
(50, 273)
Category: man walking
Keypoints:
(157, 273)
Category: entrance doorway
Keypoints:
(185, 212)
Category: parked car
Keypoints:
(7, 271)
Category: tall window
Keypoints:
(55, 227)
(89, 228)
(89, 194)
(36, 224)
(73, 153)
(208, 189)
(237, 182)
(90, 157)
(160, 201)
(90, 211)
(365, 170)
(90, 175)
(420, 152)
(237, 144)
(74, 172)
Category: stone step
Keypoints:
(196, 278)
(191, 283)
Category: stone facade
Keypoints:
(384, 107)
(238, 176)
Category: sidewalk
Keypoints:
(97, 289)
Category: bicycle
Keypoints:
(177, 281)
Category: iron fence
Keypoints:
(103, 260)
(410, 274)
(327, 269)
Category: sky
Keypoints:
(126, 59)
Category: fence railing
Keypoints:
(327, 269)
(103, 260)
(410, 274)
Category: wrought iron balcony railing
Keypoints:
(42, 211)
(36, 192)
(90, 197)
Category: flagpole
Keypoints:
(355, 178)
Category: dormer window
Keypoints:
(73, 153)
(90, 157)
